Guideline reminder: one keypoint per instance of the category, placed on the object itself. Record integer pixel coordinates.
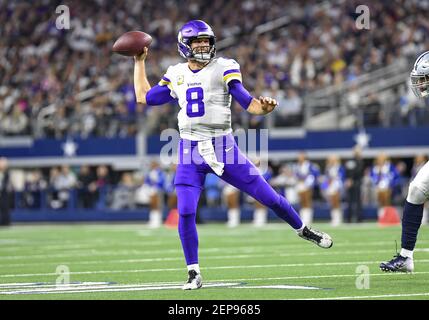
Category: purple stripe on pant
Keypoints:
(238, 171)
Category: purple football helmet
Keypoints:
(196, 29)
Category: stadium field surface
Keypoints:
(131, 261)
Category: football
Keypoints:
(132, 43)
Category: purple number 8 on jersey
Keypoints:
(195, 100)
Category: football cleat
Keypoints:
(398, 264)
(195, 281)
(322, 239)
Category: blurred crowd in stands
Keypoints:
(346, 186)
(56, 83)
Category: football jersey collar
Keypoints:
(196, 71)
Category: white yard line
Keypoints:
(108, 288)
(86, 245)
(282, 246)
(384, 274)
(90, 287)
(244, 267)
(372, 297)
(180, 258)
(92, 253)
(19, 285)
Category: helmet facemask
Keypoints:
(203, 53)
(420, 85)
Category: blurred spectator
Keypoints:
(62, 183)
(155, 179)
(54, 201)
(369, 194)
(399, 188)
(123, 194)
(102, 183)
(372, 111)
(15, 123)
(332, 186)
(306, 174)
(384, 176)
(353, 184)
(5, 191)
(289, 112)
(142, 194)
(287, 181)
(86, 188)
(35, 184)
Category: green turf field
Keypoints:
(130, 261)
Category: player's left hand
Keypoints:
(268, 104)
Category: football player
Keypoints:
(418, 191)
(203, 87)
(419, 161)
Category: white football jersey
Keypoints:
(204, 100)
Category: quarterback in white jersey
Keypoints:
(203, 97)
(203, 88)
(418, 191)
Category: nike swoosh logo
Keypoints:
(226, 150)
